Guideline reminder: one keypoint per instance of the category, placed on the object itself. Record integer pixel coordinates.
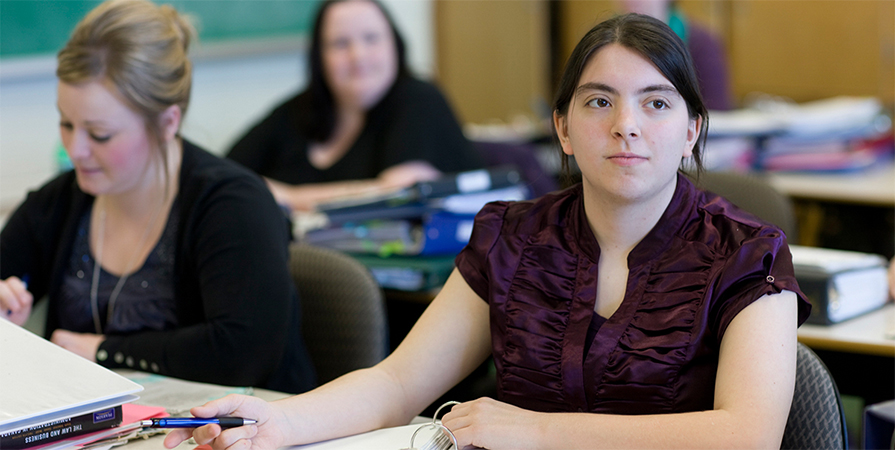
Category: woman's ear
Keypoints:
(169, 122)
(561, 124)
(694, 128)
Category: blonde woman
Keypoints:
(153, 254)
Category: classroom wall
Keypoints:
(494, 58)
(802, 50)
(234, 85)
(810, 50)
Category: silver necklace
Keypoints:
(97, 263)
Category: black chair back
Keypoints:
(816, 417)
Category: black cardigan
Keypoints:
(413, 121)
(237, 310)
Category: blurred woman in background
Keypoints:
(362, 125)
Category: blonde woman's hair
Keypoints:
(141, 49)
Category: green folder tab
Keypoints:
(409, 273)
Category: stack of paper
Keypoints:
(830, 135)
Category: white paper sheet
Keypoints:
(384, 439)
(40, 381)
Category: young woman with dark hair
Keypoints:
(628, 311)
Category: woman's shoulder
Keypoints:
(411, 85)
(718, 206)
(201, 170)
(504, 230)
(287, 110)
(533, 216)
(412, 93)
(213, 187)
(728, 228)
(61, 189)
(44, 211)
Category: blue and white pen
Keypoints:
(196, 422)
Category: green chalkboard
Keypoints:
(41, 27)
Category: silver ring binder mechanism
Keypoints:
(440, 439)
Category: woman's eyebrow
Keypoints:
(658, 88)
(593, 86)
(89, 123)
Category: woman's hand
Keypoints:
(15, 301)
(488, 423)
(306, 197)
(84, 345)
(282, 193)
(265, 434)
(407, 174)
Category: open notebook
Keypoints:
(42, 382)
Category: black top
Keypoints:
(413, 121)
(237, 310)
(146, 300)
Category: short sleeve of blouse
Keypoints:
(762, 265)
(473, 262)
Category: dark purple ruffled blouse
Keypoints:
(535, 263)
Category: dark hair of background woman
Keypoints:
(654, 40)
(319, 125)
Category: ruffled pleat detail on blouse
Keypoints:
(536, 265)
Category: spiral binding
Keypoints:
(438, 441)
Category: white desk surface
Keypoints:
(872, 333)
(385, 439)
(872, 187)
(175, 393)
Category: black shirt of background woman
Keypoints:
(413, 121)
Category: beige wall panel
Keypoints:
(887, 52)
(579, 16)
(493, 57)
(713, 14)
(808, 50)
(801, 49)
(576, 18)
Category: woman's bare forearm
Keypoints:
(306, 197)
(359, 401)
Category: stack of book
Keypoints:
(839, 134)
(408, 237)
(44, 433)
(49, 394)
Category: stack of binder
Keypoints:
(408, 237)
(429, 218)
(49, 394)
(840, 284)
(838, 134)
